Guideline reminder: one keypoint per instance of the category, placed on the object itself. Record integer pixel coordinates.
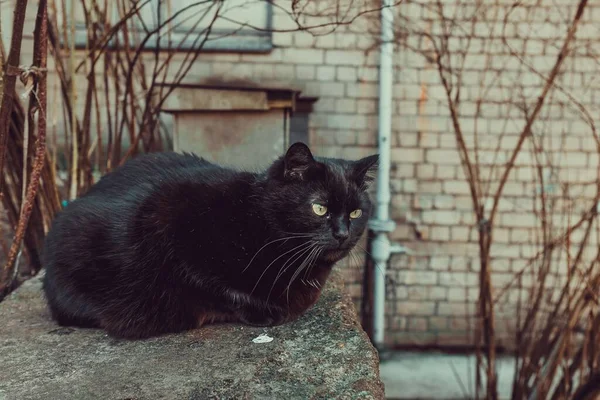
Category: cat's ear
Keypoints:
(365, 170)
(298, 161)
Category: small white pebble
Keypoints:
(262, 338)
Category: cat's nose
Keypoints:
(341, 235)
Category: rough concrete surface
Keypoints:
(323, 355)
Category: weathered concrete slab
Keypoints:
(323, 355)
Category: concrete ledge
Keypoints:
(323, 355)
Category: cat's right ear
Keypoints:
(298, 161)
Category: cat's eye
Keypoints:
(356, 213)
(319, 209)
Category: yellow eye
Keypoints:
(319, 209)
(356, 213)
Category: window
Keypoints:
(235, 25)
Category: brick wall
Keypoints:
(436, 288)
(432, 300)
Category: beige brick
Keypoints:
(367, 138)
(221, 57)
(368, 74)
(285, 72)
(403, 170)
(503, 280)
(423, 202)
(441, 234)
(459, 294)
(426, 171)
(456, 309)
(408, 139)
(467, 218)
(367, 106)
(429, 140)
(441, 217)
(401, 292)
(333, 89)
(347, 121)
(398, 323)
(418, 292)
(264, 71)
(407, 155)
(325, 73)
(461, 234)
(438, 293)
(528, 250)
(573, 159)
(438, 323)
(303, 56)
(446, 172)
(513, 189)
(411, 277)
(444, 202)
(366, 42)
(362, 90)
(282, 39)
(461, 323)
(345, 106)
(304, 39)
(571, 143)
(347, 74)
(520, 235)
(325, 104)
(344, 57)
(447, 138)
(458, 279)
(439, 263)
(345, 40)
(414, 308)
(355, 153)
(417, 324)
(499, 250)
(456, 187)
(325, 42)
(324, 137)
(430, 187)
(464, 263)
(520, 220)
(305, 72)
(345, 137)
(409, 186)
(443, 157)
(501, 235)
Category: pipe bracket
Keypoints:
(397, 248)
(377, 225)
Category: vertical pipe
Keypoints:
(381, 244)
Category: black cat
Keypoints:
(169, 242)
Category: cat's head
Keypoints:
(323, 199)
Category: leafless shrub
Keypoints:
(555, 295)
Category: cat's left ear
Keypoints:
(298, 161)
(365, 170)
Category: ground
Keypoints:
(323, 355)
(436, 375)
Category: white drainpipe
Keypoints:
(381, 225)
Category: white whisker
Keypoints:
(284, 268)
(272, 262)
(271, 242)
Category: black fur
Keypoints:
(169, 241)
